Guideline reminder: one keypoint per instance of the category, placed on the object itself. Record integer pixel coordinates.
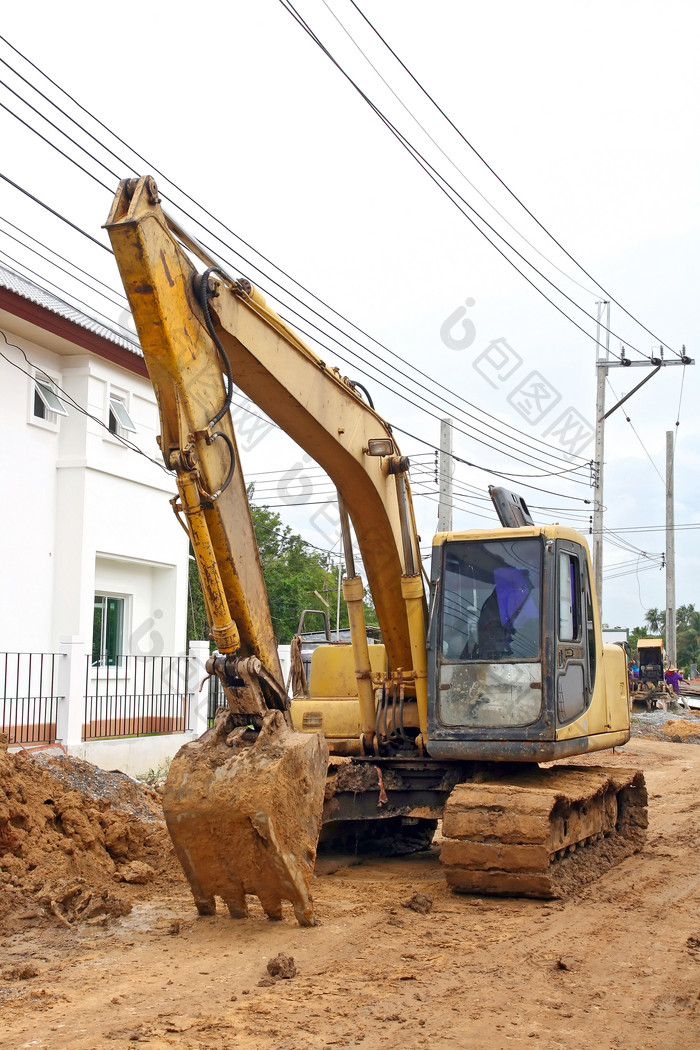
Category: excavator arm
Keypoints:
(244, 808)
(201, 334)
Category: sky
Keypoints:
(587, 113)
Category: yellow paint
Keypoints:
(336, 717)
(333, 670)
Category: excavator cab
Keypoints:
(514, 668)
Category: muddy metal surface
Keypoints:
(619, 966)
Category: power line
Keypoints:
(57, 215)
(568, 470)
(55, 126)
(444, 185)
(528, 437)
(607, 294)
(680, 398)
(442, 151)
(53, 145)
(458, 459)
(634, 431)
(113, 154)
(375, 378)
(508, 477)
(438, 416)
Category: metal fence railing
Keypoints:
(28, 697)
(216, 698)
(136, 696)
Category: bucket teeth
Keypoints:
(245, 816)
(543, 833)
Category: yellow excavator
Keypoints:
(484, 678)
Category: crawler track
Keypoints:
(542, 833)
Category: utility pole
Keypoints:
(670, 556)
(445, 477)
(337, 607)
(601, 364)
(657, 361)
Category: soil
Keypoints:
(396, 960)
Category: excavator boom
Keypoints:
(200, 335)
(307, 399)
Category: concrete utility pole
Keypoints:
(602, 366)
(445, 477)
(670, 556)
(601, 363)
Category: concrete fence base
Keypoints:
(136, 756)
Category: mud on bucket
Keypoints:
(245, 816)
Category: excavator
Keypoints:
(489, 672)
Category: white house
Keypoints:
(90, 546)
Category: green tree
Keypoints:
(656, 620)
(687, 619)
(197, 625)
(687, 636)
(635, 635)
(295, 574)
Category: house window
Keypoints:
(47, 404)
(120, 421)
(107, 630)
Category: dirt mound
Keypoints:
(76, 842)
(683, 731)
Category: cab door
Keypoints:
(573, 677)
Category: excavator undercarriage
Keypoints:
(543, 833)
(512, 831)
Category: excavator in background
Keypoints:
(649, 686)
(483, 678)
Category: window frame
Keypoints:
(445, 591)
(104, 658)
(574, 592)
(118, 411)
(41, 390)
(579, 651)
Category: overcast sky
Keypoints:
(587, 112)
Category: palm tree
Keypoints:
(656, 618)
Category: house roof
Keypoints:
(54, 314)
(22, 286)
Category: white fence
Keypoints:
(29, 696)
(61, 698)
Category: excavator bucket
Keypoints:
(245, 815)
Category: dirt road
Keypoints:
(619, 967)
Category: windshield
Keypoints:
(491, 600)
